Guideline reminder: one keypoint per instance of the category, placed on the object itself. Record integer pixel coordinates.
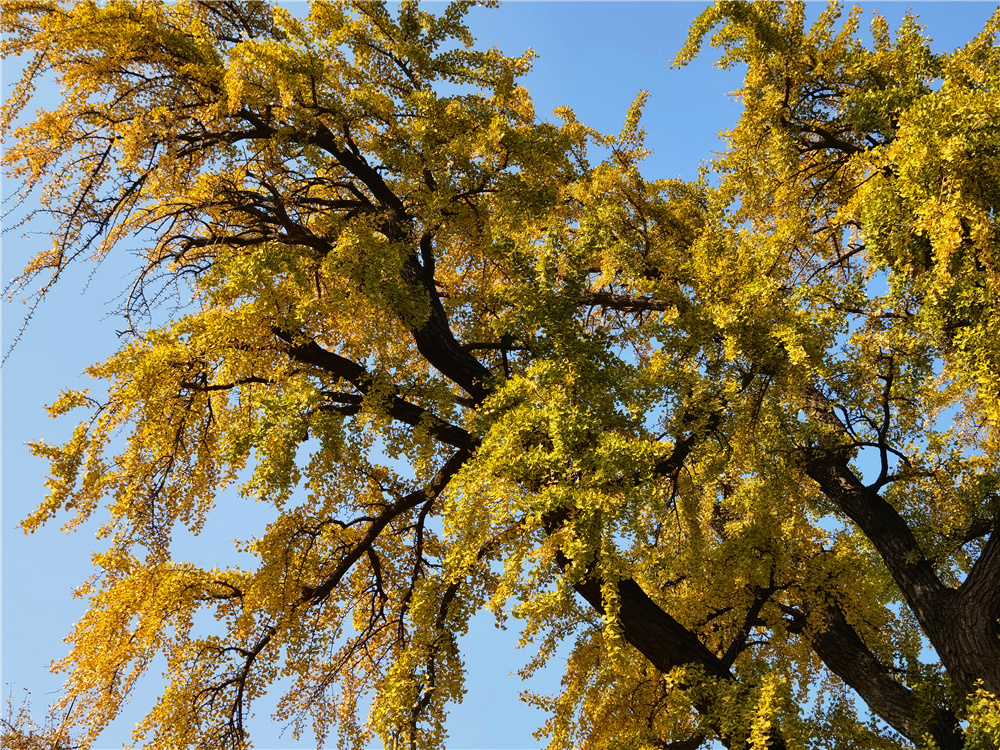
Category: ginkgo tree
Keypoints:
(475, 360)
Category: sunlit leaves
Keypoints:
(464, 363)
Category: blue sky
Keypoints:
(594, 57)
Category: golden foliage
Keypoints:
(469, 369)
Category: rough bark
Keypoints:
(978, 609)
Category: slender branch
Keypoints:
(741, 641)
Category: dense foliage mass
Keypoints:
(632, 412)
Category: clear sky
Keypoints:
(594, 57)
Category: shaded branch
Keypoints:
(627, 302)
(878, 520)
(313, 354)
(846, 655)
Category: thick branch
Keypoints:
(887, 530)
(658, 636)
(877, 519)
(979, 528)
(670, 465)
(664, 641)
(625, 302)
(740, 642)
(311, 353)
(436, 342)
(960, 624)
(846, 655)
(433, 337)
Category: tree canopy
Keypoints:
(478, 361)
